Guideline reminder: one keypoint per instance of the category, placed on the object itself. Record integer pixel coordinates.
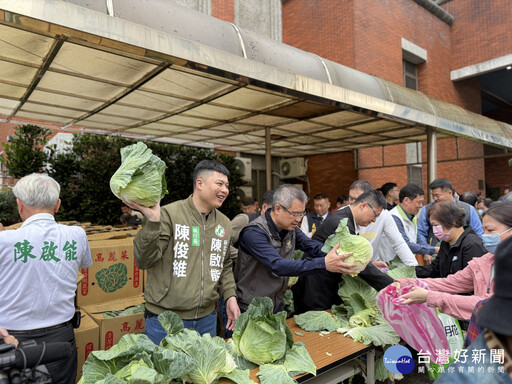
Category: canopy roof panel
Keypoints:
(83, 69)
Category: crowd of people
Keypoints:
(198, 260)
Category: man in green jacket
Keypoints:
(184, 246)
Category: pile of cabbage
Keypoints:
(141, 176)
(359, 317)
(360, 248)
(260, 338)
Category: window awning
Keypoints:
(83, 69)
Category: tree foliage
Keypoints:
(84, 172)
(8, 208)
(24, 153)
(84, 175)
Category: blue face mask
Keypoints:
(492, 240)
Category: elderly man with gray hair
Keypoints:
(266, 248)
(39, 264)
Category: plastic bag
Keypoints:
(417, 324)
(455, 340)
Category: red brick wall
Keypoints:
(366, 35)
(464, 175)
(498, 174)
(331, 174)
(481, 30)
(224, 10)
(325, 28)
(379, 176)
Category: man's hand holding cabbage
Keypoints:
(336, 263)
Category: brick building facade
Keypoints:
(366, 35)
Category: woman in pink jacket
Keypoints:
(477, 277)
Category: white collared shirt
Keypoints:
(385, 226)
(39, 265)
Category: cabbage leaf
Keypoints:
(299, 361)
(357, 285)
(380, 334)
(273, 373)
(316, 321)
(402, 272)
(363, 318)
(141, 176)
(383, 374)
(137, 350)
(240, 376)
(360, 248)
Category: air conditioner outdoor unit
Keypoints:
(293, 167)
(245, 192)
(244, 164)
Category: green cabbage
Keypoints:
(141, 176)
(360, 248)
(210, 354)
(260, 335)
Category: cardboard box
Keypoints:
(87, 340)
(117, 234)
(113, 274)
(112, 329)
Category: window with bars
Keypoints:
(410, 75)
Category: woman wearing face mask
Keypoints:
(477, 277)
(459, 244)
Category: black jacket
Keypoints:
(451, 259)
(319, 292)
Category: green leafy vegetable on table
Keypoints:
(184, 356)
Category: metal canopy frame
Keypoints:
(87, 71)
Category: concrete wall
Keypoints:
(260, 16)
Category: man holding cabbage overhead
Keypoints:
(185, 248)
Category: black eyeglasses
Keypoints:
(373, 210)
(299, 215)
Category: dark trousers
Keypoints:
(62, 371)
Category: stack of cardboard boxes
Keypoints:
(112, 283)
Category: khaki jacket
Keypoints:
(187, 259)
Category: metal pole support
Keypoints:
(431, 157)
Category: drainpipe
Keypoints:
(436, 10)
(431, 157)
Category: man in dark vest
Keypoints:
(442, 190)
(319, 292)
(266, 247)
(312, 221)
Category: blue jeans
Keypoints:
(221, 304)
(156, 332)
